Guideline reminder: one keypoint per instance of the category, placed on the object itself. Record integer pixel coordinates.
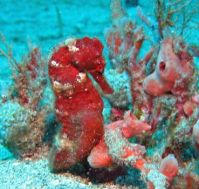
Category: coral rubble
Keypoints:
(164, 92)
(22, 119)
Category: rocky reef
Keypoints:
(130, 118)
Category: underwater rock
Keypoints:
(21, 131)
(121, 98)
(78, 105)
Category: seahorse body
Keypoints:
(78, 105)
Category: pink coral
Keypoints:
(170, 68)
(169, 167)
(195, 99)
(114, 146)
(125, 40)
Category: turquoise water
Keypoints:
(28, 130)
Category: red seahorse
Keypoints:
(78, 105)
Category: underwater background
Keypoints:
(160, 146)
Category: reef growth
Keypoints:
(152, 132)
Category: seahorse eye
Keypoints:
(162, 66)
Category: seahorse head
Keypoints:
(79, 56)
